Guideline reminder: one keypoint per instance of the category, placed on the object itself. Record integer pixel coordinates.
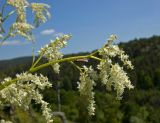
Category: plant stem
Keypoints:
(75, 65)
(94, 52)
(9, 14)
(58, 61)
(3, 7)
(37, 61)
(4, 39)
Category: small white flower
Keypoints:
(3, 121)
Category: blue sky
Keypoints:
(90, 22)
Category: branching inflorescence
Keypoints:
(26, 89)
(26, 86)
(21, 26)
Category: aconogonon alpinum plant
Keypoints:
(27, 86)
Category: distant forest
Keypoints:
(140, 105)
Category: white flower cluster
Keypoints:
(119, 80)
(51, 51)
(41, 12)
(17, 3)
(22, 29)
(46, 111)
(85, 86)
(105, 67)
(3, 121)
(20, 6)
(110, 50)
(112, 74)
(25, 89)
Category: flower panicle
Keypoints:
(20, 26)
(111, 74)
(119, 80)
(22, 29)
(110, 50)
(25, 90)
(41, 12)
(87, 82)
(51, 50)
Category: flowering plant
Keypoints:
(26, 86)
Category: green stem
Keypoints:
(94, 52)
(4, 39)
(58, 61)
(3, 7)
(33, 55)
(9, 14)
(37, 61)
(96, 58)
(75, 65)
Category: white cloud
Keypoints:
(13, 43)
(48, 32)
(52, 32)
